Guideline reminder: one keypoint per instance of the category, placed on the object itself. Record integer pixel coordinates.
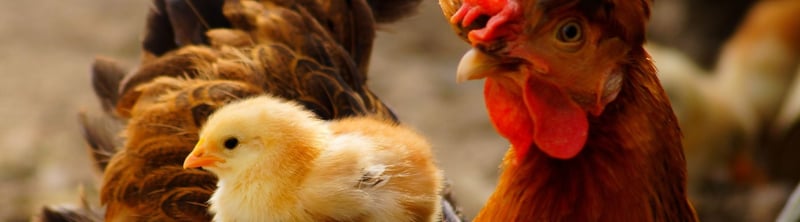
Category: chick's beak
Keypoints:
(200, 157)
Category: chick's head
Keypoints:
(264, 134)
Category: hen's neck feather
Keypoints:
(631, 169)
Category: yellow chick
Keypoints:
(277, 162)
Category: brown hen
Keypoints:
(200, 55)
(569, 84)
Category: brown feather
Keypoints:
(83, 212)
(101, 134)
(106, 76)
(392, 10)
(313, 52)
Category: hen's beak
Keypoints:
(478, 65)
(475, 65)
(200, 157)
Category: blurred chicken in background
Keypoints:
(698, 29)
(759, 67)
(740, 120)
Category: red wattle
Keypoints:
(508, 114)
(560, 126)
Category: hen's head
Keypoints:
(261, 135)
(549, 64)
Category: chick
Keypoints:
(277, 162)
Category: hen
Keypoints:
(569, 84)
(277, 162)
(737, 134)
(758, 71)
(200, 55)
(758, 68)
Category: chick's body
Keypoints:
(278, 162)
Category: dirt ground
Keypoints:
(46, 48)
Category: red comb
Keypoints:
(499, 11)
(491, 6)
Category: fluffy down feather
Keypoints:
(277, 162)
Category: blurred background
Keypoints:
(736, 98)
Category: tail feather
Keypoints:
(101, 134)
(392, 10)
(106, 77)
(71, 213)
(175, 23)
(67, 214)
(172, 24)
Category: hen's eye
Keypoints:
(570, 32)
(231, 143)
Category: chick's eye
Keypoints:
(570, 32)
(231, 143)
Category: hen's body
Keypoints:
(200, 55)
